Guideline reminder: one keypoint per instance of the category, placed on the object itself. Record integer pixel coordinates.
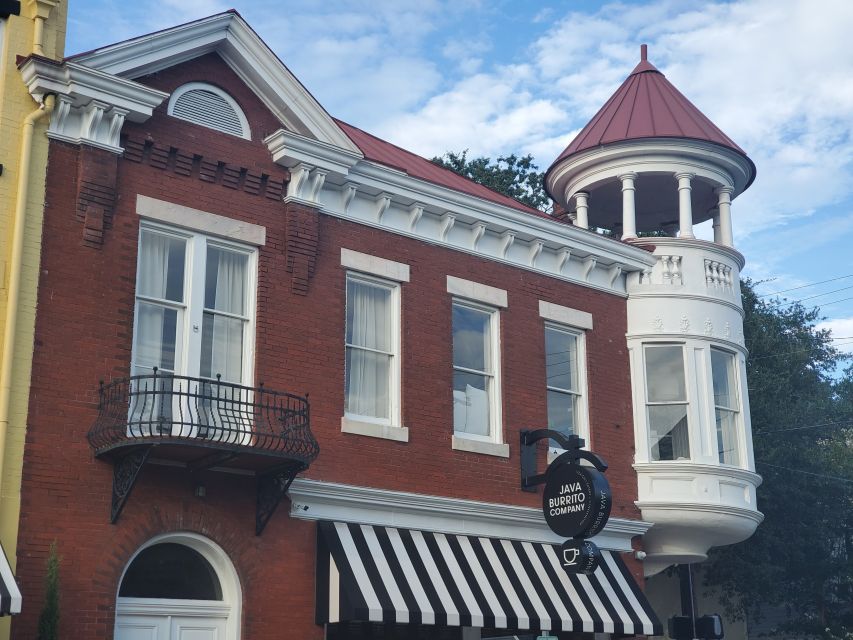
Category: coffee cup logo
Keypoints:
(570, 556)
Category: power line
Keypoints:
(818, 295)
(787, 353)
(811, 284)
(841, 423)
(808, 473)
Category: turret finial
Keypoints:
(644, 52)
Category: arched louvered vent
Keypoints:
(210, 107)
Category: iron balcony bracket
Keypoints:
(125, 472)
(573, 454)
(271, 489)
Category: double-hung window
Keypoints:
(562, 372)
(725, 406)
(666, 402)
(194, 318)
(372, 349)
(476, 412)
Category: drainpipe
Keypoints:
(18, 224)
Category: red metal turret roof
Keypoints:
(647, 105)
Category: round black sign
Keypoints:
(579, 556)
(576, 501)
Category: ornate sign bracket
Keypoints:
(573, 455)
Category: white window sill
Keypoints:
(461, 443)
(373, 430)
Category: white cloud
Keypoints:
(842, 331)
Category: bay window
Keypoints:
(666, 402)
(725, 406)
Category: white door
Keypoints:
(151, 625)
(197, 629)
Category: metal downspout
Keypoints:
(19, 223)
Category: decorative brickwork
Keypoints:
(204, 168)
(96, 192)
(302, 237)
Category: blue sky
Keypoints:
(499, 77)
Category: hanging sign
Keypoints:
(579, 556)
(576, 501)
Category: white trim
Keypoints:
(201, 221)
(246, 133)
(582, 427)
(229, 581)
(317, 500)
(374, 265)
(8, 578)
(374, 429)
(463, 442)
(565, 315)
(475, 291)
(395, 385)
(241, 48)
(491, 444)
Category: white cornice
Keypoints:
(242, 49)
(91, 105)
(715, 162)
(290, 149)
(82, 85)
(315, 500)
(693, 469)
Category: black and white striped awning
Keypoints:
(382, 574)
(10, 595)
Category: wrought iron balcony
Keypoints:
(203, 423)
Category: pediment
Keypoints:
(240, 47)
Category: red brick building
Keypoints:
(233, 281)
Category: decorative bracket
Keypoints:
(573, 454)
(125, 472)
(271, 489)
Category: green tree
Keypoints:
(800, 557)
(48, 628)
(516, 177)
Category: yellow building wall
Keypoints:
(16, 39)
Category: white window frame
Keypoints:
(578, 323)
(188, 341)
(687, 402)
(493, 443)
(388, 273)
(738, 412)
(582, 414)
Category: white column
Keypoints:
(716, 218)
(725, 205)
(582, 209)
(629, 217)
(685, 207)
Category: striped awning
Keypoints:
(10, 595)
(382, 574)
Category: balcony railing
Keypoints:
(203, 423)
(166, 407)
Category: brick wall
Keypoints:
(84, 334)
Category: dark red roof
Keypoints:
(647, 105)
(383, 152)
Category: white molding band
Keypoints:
(316, 500)
(461, 443)
(475, 291)
(565, 315)
(202, 221)
(374, 430)
(374, 265)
